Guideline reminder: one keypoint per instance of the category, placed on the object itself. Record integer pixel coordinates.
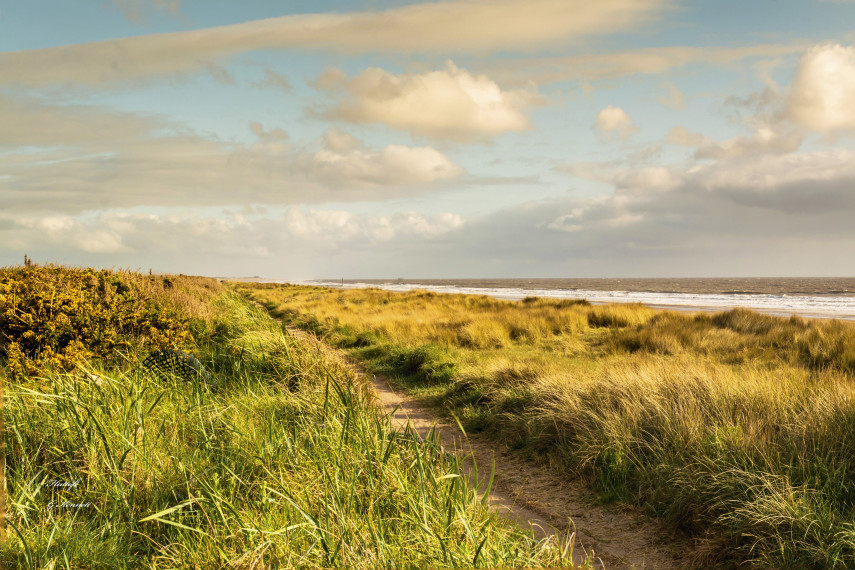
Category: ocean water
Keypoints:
(817, 297)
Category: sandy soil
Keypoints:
(548, 504)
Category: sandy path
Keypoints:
(533, 497)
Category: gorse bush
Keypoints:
(53, 317)
(736, 427)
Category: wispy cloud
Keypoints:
(135, 10)
(274, 80)
(449, 27)
(78, 158)
(675, 99)
(643, 61)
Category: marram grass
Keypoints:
(287, 465)
(736, 427)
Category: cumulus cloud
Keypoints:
(125, 160)
(391, 166)
(779, 214)
(340, 226)
(777, 138)
(773, 215)
(291, 243)
(823, 90)
(70, 232)
(797, 182)
(615, 122)
(450, 103)
(451, 26)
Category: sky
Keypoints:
(433, 139)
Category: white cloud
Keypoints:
(69, 232)
(125, 160)
(451, 26)
(614, 121)
(341, 226)
(799, 183)
(451, 103)
(823, 91)
(772, 215)
(784, 177)
(765, 140)
(222, 236)
(769, 215)
(646, 180)
(393, 165)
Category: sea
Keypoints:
(812, 297)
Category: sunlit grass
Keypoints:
(287, 464)
(736, 427)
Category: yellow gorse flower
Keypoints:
(55, 317)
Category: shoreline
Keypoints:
(597, 300)
(596, 297)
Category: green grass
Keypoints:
(735, 427)
(287, 464)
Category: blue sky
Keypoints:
(461, 138)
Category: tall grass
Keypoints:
(737, 427)
(287, 464)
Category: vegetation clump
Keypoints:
(58, 318)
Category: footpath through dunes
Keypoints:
(735, 428)
(551, 506)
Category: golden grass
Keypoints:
(737, 427)
(287, 463)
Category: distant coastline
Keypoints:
(815, 297)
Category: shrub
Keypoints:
(53, 317)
